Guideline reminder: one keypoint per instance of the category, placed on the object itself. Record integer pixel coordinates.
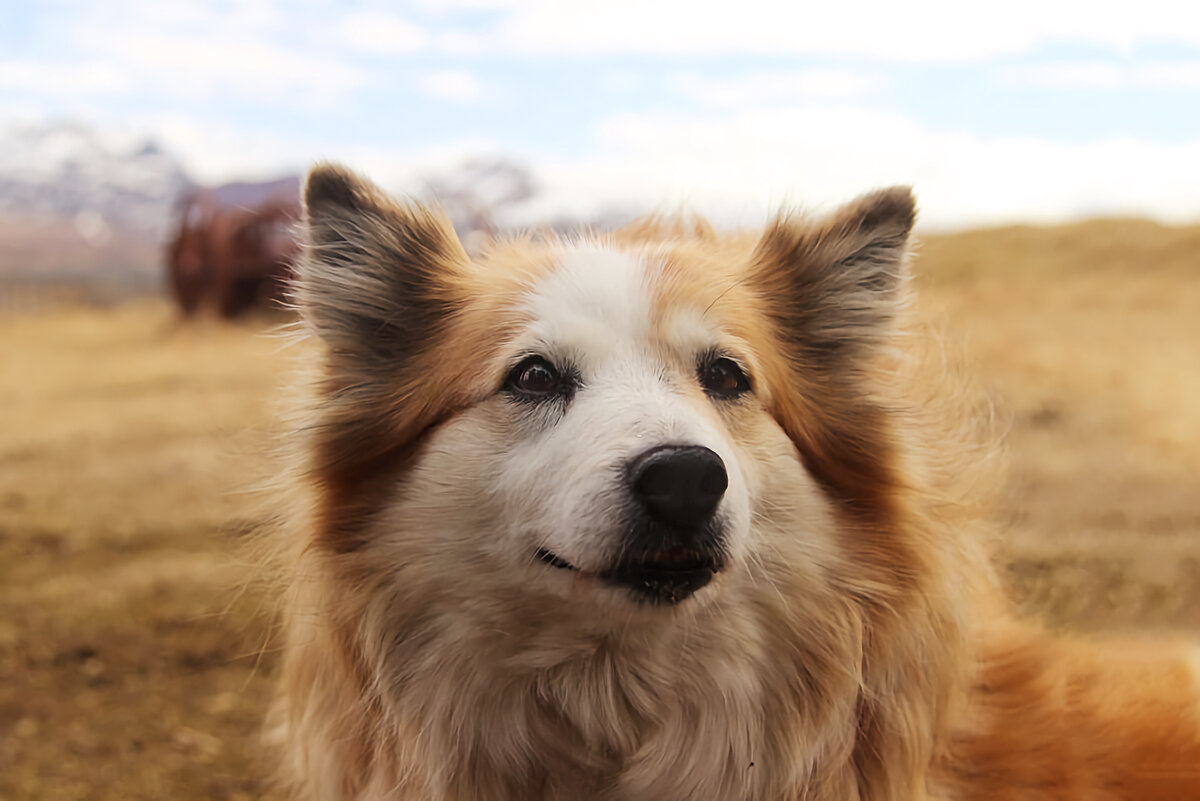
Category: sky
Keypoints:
(1026, 111)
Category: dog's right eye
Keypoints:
(534, 377)
(723, 378)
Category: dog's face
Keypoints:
(639, 420)
(614, 445)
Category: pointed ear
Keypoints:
(376, 279)
(834, 287)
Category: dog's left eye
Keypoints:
(723, 378)
(534, 377)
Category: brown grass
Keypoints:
(1089, 335)
(127, 653)
(133, 662)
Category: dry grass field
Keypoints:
(135, 657)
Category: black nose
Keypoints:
(679, 485)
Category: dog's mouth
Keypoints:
(665, 576)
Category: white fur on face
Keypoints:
(505, 479)
(594, 315)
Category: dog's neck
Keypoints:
(682, 709)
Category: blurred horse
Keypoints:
(234, 248)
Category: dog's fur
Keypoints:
(454, 630)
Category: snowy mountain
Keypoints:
(79, 200)
(71, 171)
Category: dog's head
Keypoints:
(648, 416)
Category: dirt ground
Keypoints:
(135, 656)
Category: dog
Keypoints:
(665, 514)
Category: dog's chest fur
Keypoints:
(688, 711)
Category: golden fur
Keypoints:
(879, 662)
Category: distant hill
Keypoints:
(252, 193)
(75, 202)
(68, 169)
(79, 203)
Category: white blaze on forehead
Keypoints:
(595, 298)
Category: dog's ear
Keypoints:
(376, 280)
(835, 286)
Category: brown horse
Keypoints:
(229, 257)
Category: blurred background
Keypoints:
(150, 158)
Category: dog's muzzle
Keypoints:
(674, 544)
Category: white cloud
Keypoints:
(1104, 75)
(228, 48)
(460, 43)
(738, 167)
(741, 166)
(771, 88)
(915, 31)
(20, 113)
(1169, 74)
(378, 32)
(1067, 75)
(215, 152)
(63, 79)
(458, 85)
(205, 64)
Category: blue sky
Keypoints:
(996, 113)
